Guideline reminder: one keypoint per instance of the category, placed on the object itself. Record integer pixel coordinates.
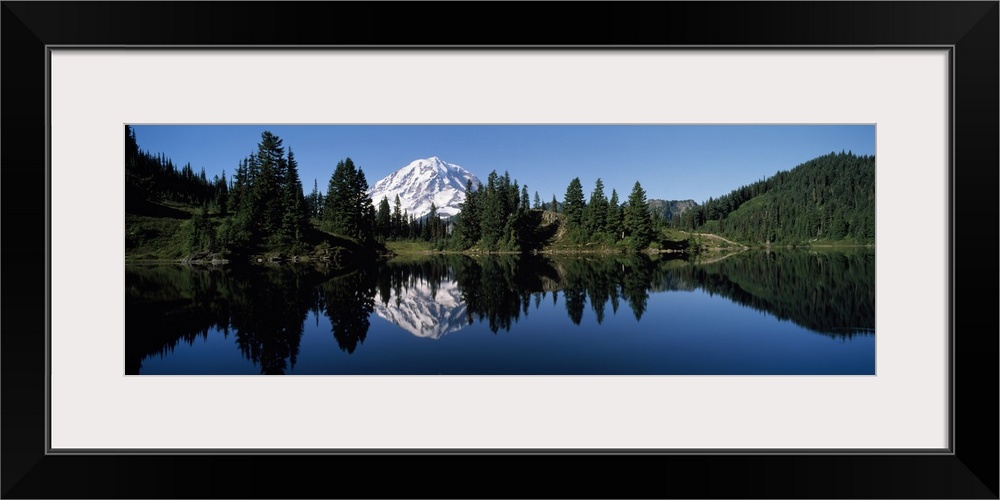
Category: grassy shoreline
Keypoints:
(158, 238)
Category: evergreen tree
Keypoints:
(222, 195)
(467, 229)
(522, 223)
(295, 217)
(658, 222)
(573, 204)
(200, 233)
(383, 219)
(538, 201)
(237, 233)
(239, 187)
(314, 202)
(267, 185)
(597, 209)
(397, 219)
(433, 229)
(638, 225)
(250, 204)
(615, 216)
(348, 210)
(555, 205)
(493, 218)
(510, 192)
(131, 149)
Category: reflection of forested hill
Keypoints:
(827, 292)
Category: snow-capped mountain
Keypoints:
(425, 312)
(423, 182)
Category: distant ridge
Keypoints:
(670, 209)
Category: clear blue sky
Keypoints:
(672, 162)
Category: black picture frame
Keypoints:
(970, 28)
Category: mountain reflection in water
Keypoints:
(427, 310)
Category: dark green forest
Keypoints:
(829, 198)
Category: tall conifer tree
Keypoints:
(597, 209)
(295, 215)
(573, 204)
(383, 219)
(638, 224)
(348, 209)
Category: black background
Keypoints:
(971, 472)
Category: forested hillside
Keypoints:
(173, 213)
(154, 178)
(829, 198)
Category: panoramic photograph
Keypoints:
(499, 249)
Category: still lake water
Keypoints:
(756, 312)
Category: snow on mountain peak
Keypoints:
(422, 182)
